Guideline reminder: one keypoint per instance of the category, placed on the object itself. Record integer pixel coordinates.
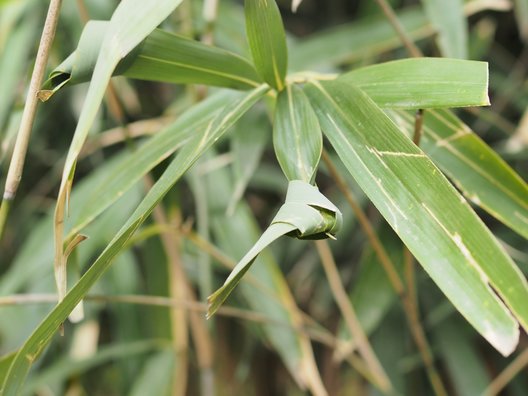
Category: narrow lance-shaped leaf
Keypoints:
(202, 140)
(423, 83)
(447, 16)
(131, 22)
(482, 176)
(305, 214)
(267, 41)
(297, 136)
(162, 56)
(434, 221)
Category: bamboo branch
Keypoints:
(349, 314)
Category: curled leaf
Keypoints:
(306, 214)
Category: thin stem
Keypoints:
(413, 50)
(349, 314)
(411, 314)
(507, 374)
(14, 174)
(418, 126)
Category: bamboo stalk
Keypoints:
(16, 166)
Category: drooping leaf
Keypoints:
(201, 141)
(162, 56)
(267, 41)
(120, 177)
(423, 83)
(434, 221)
(297, 137)
(482, 176)
(131, 22)
(447, 16)
(236, 233)
(305, 214)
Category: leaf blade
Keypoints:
(297, 136)
(457, 248)
(267, 40)
(484, 178)
(423, 83)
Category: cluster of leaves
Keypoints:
(365, 115)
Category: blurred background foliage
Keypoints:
(126, 343)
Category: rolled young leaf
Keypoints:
(267, 41)
(297, 136)
(306, 214)
(430, 216)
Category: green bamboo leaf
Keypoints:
(201, 141)
(423, 83)
(267, 41)
(434, 221)
(305, 214)
(297, 137)
(247, 149)
(120, 177)
(447, 16)
(131, 22)
(162, 56)
(482, 176)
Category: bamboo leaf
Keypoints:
(447, 16)
(482, 176)
(433, 220)
(130, 168)
(162, 56)
(297, 137)
(130, 23)
(267, 41)
(201, 141)
(247, 149)
(423, 83)
(306, 214)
